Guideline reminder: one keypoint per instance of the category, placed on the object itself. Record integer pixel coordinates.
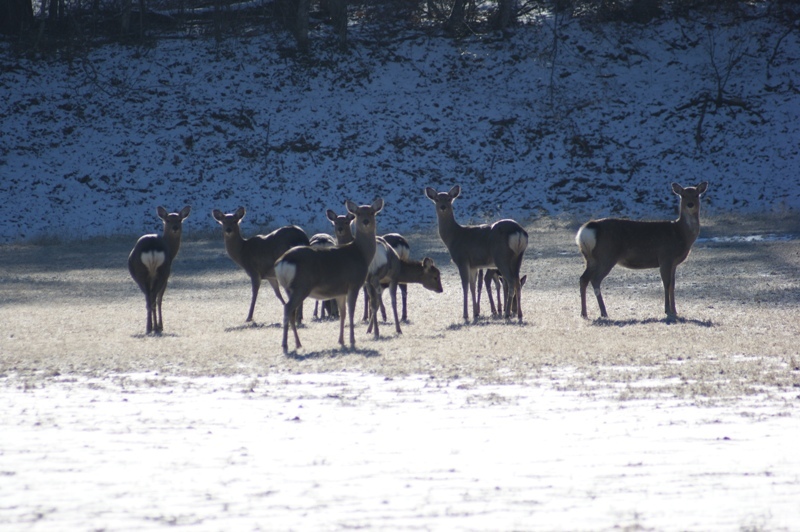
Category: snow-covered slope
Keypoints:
(601, 127)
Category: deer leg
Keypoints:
(352, 297)
(465, 290)
(476, 306)
(587, 275)
(255, 284)
(366, 304)
(148, 299)
(159, 326)
(289, 317)
(275, 288)
(668, 279)
(383, 308)
(404, 293)
(480, 287)
(316, 308)
(374, 303)
(393, 295)
(488, 283)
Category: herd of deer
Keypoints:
(336, 268)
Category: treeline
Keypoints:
(45, 24)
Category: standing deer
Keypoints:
(334, 273)
(150, 263)
(637, 245)
(257, 254)
(400, 246)
(342, 227)
(389, 269)
(324, 240)
(500, 245)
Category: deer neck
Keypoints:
(689, 223)
(448, 227)
(172, 241)
(365, 242)
(234, 244)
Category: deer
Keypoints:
(499, 245)
(332, 273)
(150, 263)
(400, 245)
(389, 269)
(639, 245)
(342, 226)
(257, 254)
(324, 240)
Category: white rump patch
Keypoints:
(403, 252)
(586, 240)
(152, 260)
(285, 272)
(380, 259)
(518, 242)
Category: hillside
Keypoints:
(598, 125)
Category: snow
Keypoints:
(345, 451)
(89, 147)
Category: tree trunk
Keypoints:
(505, 14)
(455, 22)
(338, 11)
(16, 16)
(301, 24)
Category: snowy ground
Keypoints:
(90, 146)
(341, 451)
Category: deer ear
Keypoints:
(431, 193)
(351, 206)
(239, 214)
(350, 216)
(702, 187)
(185, 212)
(377, 205)
(677, 189)
(427, 262)
(218, 215)
(455, 192)
(331, 215)
(162, 212)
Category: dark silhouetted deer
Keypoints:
(638, 244)
(257, 254)
(500, 245)
(332, 273)
(388, 269)
(150, 263)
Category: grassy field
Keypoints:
(72, 309)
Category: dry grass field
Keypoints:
(72, 309)
(557, 423)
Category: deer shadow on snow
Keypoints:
(254, 325)
(606, 322)
(331, 353)
(485, 321)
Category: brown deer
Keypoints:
(638, 244)
(150, 263)
(327, 308)
(342, 227)
(333, 273)
(389, 269)
(472, 247)
(403, 250)
(257, 254)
